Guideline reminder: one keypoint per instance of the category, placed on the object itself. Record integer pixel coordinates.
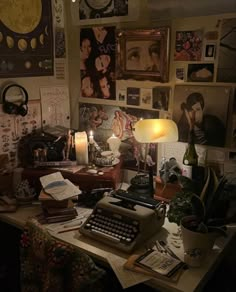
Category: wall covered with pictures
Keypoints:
(200, 61)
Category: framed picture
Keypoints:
(143, 54)
(209, 51)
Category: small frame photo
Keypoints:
(133, 96)
(143, 54)
(209, 51)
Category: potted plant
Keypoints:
(194, 213)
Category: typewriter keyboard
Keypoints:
(113, 227)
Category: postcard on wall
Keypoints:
(209, 51)
(200, 72)
(146, 97)
(107, 120)
(180, 74)
(133, 96)
(122, 95)
(205, 109)
(188, 45)
(160, 98)
(97, 62)
(227, 52)
(87, 12)
(55, 106)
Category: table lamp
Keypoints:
(151, 131)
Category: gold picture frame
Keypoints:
(143, 54)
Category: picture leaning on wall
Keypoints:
(203, 109)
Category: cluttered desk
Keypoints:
(115, 233)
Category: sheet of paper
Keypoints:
(126, 278)
(50, 178)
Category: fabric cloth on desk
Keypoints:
(49, 265)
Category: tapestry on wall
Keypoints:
(26, 41)
(97, 62)
(106, 120)
(227, 52)
(205, 109)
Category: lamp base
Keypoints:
(140, 185)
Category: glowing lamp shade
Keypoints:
(155, 131)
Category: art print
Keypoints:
(209, 51)
(146, 97)
(143, 54)
(227, 52)
(97, 62)
(26, 47)
(91, 9)
(203, 109)
(188, 46)
(107, 120)
(160, 98)
(133, 96)
(200, 72)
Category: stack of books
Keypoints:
(56, 199)
(55, 210)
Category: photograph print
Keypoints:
(105, 120)
(204, 110)
(97, 62)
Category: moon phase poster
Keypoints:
(26, 38)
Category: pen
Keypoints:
(67, 230)
(72, 224)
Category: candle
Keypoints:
(91, 139)
(114, 145)
(81, 148)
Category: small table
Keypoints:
(110, 178)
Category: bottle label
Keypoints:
(186, 161)
(187, 171)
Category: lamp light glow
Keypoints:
(155, 131)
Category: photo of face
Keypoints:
(105, 87)
(102, 62)
(85, 49)
(87, 89)
(142, 56)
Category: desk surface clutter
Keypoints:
(189, 280)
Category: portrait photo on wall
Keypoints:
(203, 109)
(26, 42)
(160, 98)
(200, 72)
(105, 120)
(227, 52)
(97, 62)
(143, 54)
(188, 46)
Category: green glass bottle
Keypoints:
(190, 158)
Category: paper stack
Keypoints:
(56, 198)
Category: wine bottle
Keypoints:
(190, 158)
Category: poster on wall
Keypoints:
(97, 62)
(106, 120)
(227, 52)
(205, 109)
(85, 12)
(13, 127)
(188, 46)
(26, 38)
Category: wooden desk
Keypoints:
(192, 279)
(111, 177)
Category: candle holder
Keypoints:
(92, 154)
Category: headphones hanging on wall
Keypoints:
(11, 107)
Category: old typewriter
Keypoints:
(124, 224)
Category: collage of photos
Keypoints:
(97, 62)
